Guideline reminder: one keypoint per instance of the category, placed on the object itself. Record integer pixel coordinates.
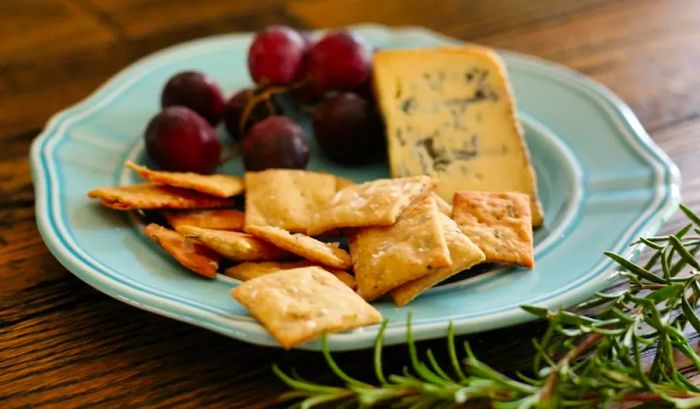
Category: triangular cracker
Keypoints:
(153, 196)
(216, 185)
(250, 270)
(499, 223)
(301, 304)
(464, 255)
(234, 245)
(375, 203)
(384, 257)
(219, 219)
(328, 254)
(187, 252)
(286, 198)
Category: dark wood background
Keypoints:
(64, 344)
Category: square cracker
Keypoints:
(250, 270)
(235, 245)
(464, 255)
(215, 185)
(499, 223)
(187, 252)
(384, 257)
(375, 203)
(218, 219)
(327, 254)
(286, 198)
(153, 196)
(301, 304)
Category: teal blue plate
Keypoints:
(602, 182)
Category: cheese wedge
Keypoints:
(450, 114)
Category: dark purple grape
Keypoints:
(178, 139)
(348, 129)
(195, 91)
(275, 142)
(340, 61)
(234, 108)
(276, 56)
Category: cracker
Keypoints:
(384, 257)
(286, 198)
(301, 304)
(464, 255)
(442, 205)
(153, 196)
(342, 183)
(219, 219)
(189, 253)
(499, 223)
(327, 254)
(216, 185)
(235, 245)
(250, 270)
(375, 203)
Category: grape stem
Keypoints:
(263, 93)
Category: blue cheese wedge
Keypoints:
(450, 114)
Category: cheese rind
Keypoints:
(450, 114)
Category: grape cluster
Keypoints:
(330, 75)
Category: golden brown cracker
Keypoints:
(375, 203)
(217, 219)
(250, 270)
(215, 185)
(464, 255)
(189, 253)
(301, 304)
(286, 198)
(235, 245)
(442, 205)
(154, 196)
(384, 257)
(499, 223)
(342, 183)
(327, 254)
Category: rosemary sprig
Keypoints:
(625, 352)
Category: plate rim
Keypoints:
(617, 110)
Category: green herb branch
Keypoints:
(619, 347)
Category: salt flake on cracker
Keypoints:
(189, 253)
(154, 196)
(216, 185)
(301, 304)
(217, 219)
(499, 223)
(234, 245)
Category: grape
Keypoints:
(196, 91)
(233, 112)
(340, 61)
(180, 140)
(276, 56)
(275, 142)
(348, 129)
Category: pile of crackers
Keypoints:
(313, 249)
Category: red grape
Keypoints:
(178, 139)
(348, 129)
(233, 112)
(340, 61)
(196, 91)
(276, 56)
(275, 142)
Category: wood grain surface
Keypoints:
(63, 344)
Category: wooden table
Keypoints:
(64, 344)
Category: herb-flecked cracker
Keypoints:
(154, 196)
(499, 223)
(375, 203)
(286, 198)
(217, 219)
(216, 185)
(384, 257)
(328, 254)
(464, 255)
(250, 270)
(301, 304)
(189, 253)
(235, 245)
